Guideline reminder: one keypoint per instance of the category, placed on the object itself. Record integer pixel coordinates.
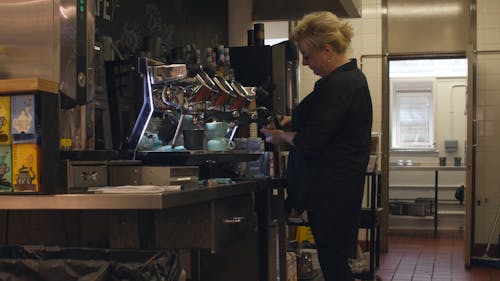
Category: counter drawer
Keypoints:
(81, 175)
(121, 174)
(208, 225)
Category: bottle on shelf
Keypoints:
(210, 62)
(223, 65)
(227, 61)
(220, 68)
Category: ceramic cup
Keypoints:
(219, 145)
(149, 141)
(216, 130)
(188, 123)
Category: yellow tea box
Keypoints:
(26, 167)
(5, 120)
(5, 168)
(24, 118)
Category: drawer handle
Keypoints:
(180, 179)
(234, 220)
(86, 176)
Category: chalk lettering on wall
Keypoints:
(105, 9)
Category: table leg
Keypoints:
(262, 202)
(436, 181)
(282, 243)
(195, 265)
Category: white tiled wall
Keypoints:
(488, 116)
(488, 24)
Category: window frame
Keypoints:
(408, 87)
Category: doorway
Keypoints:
(427, 145)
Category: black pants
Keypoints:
(334, 266)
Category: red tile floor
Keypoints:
(430, 259)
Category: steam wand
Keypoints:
(178, 107)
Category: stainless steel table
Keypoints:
(125, 201)
(436, 170)
(217, 219)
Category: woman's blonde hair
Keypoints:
(317, 29)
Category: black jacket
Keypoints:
(327, 165)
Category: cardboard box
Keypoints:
(5, 168)
(24, 119)
(26, 167)
(5, 120)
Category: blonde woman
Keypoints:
(330, 138)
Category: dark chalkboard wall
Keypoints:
(133, 23)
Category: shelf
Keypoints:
(450, 202)
(428, 217)
(451, 186)
(451, 213)
(412, 200)
(416, 167)
(27, 85)
(411, 217)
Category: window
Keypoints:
(412, 114)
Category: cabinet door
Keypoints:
(209, 225)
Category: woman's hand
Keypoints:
(285, 121)
(272, 135)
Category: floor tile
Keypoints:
(430, 259)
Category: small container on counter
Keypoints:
(250, 37)
(258, 30)
(442, 161)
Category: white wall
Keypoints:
(239, 21)
(451, 120)
(367, 41)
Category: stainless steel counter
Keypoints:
(216, 223)
(146, 201)
(436, 169)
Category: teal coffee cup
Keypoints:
(219, 145)
(216, 130)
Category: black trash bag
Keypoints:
(68, 264)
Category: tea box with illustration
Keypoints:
(5, 120)
(25, 166)
(24, 119)
(5, 168)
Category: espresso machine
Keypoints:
(176, 104)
